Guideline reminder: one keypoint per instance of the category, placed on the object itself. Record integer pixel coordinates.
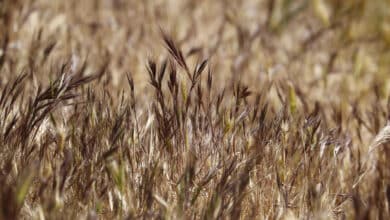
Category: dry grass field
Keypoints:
(194, 109)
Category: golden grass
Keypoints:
(190, 109)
